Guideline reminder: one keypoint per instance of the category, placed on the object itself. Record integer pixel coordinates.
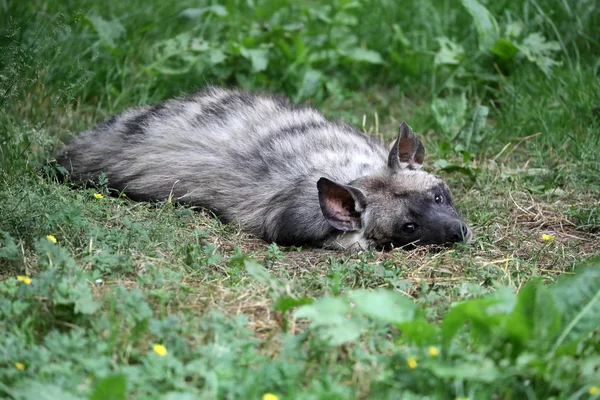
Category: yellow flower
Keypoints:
(98, 196)
(25, 279)
(433, 351)
(412, 362)
(594, 390)
(270, 396)
(160, 349)
(461, 398)
(547, 237)
(51, 238)
(20, 366)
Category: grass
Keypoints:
(512, 121)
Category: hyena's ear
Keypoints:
(341, 205)
(408, 151)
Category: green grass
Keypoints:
(510, 117)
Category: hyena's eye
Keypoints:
(439, 199)
(409, 228)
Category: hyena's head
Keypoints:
(400, 207)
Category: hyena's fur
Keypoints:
(284, 173)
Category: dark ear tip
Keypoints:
(322, 182)
(405, 129)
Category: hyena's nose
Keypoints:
(458, 232)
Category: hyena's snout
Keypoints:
(458, 232)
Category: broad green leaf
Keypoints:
(193, 13)
(444, 165)
(450, 113)
(258, 57)
(325, 311)
(363, 55)
(216, 56)
(486, 24)
(535, 317)
(311, 82)
(286, 303)
(450, 53)
(175, 56)
(340, 334)
(384, 305)
(505, 49)
(473, 129)
(475, 370)
(257, 271)
(419, 332)
(32, 390)
(513, 30)
(112, 387)
(329, 317)
(578, 301)
(108, 31)
(541, 52)
(483, 315)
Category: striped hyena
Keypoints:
(283, 172)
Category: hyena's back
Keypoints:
(250, 158)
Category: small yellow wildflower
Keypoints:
(20, 366)
(270, 396)
(433, 351)
(547, 237)
(461, 398)
(25, 279)
(98, 195)
(51, 238)
(594, 390)
(160, 349)
(412, 362)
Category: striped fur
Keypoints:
(285, 173)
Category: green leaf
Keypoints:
(194, 13)
(32, 390)
(258, 57)
(384, 305)
(330, 317)
(257, 271)
(325, 311)
(108, 31)
(85, 304)
(468, 171)
(112, 387)
(475, 370)
(450, 113)
(482, 314)
(534, 318)
(311, 81)
(286, 303)
(578, 301)
(363, 55)
(216, 56)
(174, 56)
(539, 51)
(420, 332)
(474, 128)
(505, 49)
(450, 53)
(485, 23)
(8, 248)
